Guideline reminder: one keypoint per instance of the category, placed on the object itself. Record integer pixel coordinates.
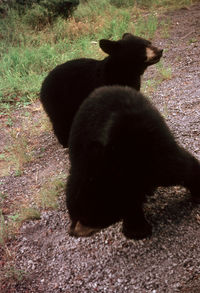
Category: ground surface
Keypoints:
(54, 262)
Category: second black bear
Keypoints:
(67, 85)
(121, 150)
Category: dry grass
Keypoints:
(23, 139)
(47, 197)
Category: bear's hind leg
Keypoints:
(185, 171)
(192, 182)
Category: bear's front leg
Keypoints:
(135, 226)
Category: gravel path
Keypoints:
(107, 262)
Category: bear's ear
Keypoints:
(108, 46)
(127, 35)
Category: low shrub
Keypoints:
(39, 13)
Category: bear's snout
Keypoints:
(79, 230)
(153, 55)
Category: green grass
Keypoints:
(9, 224)
(28, 54)
(164, 72)
(146, 26)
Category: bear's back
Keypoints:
(115, 109)
(121, 123)
(68, 78)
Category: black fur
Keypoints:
(70, 83)
(121, 150)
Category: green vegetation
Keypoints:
(163, 71)
(31, 46)
(9, 224)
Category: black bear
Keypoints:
(120, 151)
(67, 85)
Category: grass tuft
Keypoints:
(19, 152)
(29, 213)
(164, 72)
(47, 197)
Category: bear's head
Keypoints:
(91, 209)
(93, 199)
(133, 49)
(90, 219)
(77, 229)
